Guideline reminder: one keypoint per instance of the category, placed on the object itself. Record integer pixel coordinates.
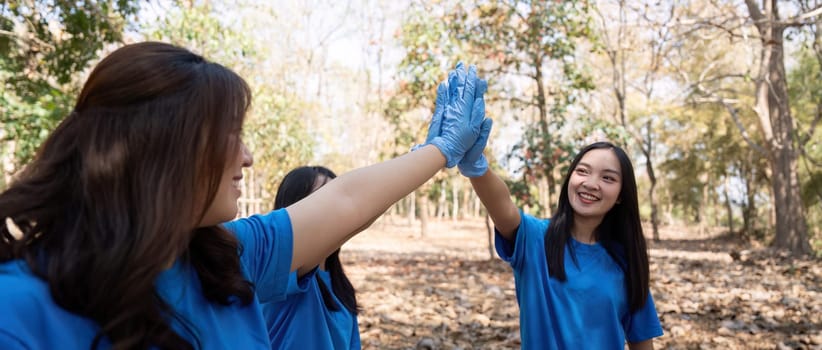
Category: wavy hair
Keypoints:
(620, 231)
(116, 192)
(296, 185)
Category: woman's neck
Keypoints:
(583, 230)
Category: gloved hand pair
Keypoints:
(458, 127)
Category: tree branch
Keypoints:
(728, 104)
(23, 39)
(515, 100)
(803, 18)
(754, 11)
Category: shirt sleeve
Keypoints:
(267, 245)
(529, 234)
(644, 323)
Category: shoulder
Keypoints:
(22, 294)
(17, 282)
(32, 318)
(533, 226)
(276, 220)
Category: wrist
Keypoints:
(442, 145)
(476, 168)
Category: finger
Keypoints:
(485, 130)
(442, 98)
(435, 126)
(453, 83)
(479, 94)
(474, 160)
(477, 113)
(482, 88)
(470, 83)
(461, 75)
(482, 140)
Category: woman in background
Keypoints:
(582, 276)
(320, 308)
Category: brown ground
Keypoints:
(443, 292)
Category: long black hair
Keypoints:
(116, 191)
(296, 185)
(620, 231)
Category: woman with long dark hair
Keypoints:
(582, 276)
(320, 310)
(114, 236)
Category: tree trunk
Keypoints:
(466, 200)
(773, 109)
(548, 172)
(728, 206)
(702, 214)
(749, 209)
(423, 198)
(412, 208)
(455, 209)
(647, 150)
(442, 204)
(490, 228)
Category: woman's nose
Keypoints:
(590, 184)
(248, 158)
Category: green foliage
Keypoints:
(429, 51)
(44, 45)
(805, 91)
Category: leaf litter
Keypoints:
(444, 291)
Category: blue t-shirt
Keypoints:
(587, 311)
(31, 320)
(302, 321)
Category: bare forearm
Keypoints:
(494, 194)
(643, 345)
(331, 215)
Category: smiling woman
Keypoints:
(582, 276)
(115, 234)
(224, 206)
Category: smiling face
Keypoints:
(224, 206)
(594, 185)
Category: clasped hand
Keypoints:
(458, 127)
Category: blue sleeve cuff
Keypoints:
(267, 245)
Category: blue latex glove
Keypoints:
(474, 163)
(460, 128)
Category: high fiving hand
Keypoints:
(460, 121)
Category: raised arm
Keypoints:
(327, 218)
(491, 190)
(496, 198)
(324, 220)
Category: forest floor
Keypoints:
(446, 292)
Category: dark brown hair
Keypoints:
(115, 193)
